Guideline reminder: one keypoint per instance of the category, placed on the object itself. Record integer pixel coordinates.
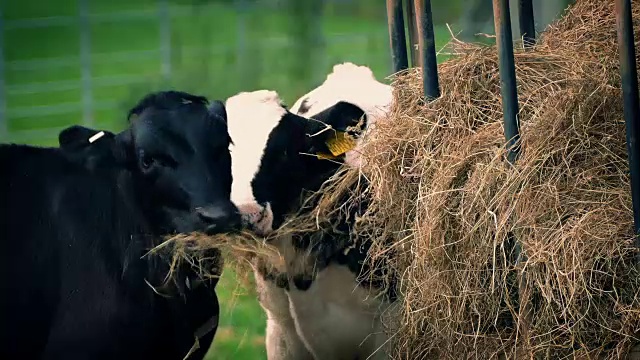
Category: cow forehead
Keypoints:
(178, 130)
(351, 83)
(371, 98)
(251, 117)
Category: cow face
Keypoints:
(176, 152)
(297, 156)
(294, 154)
(277, 159)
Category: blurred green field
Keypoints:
(242, 322)
(126, 57)
(125, 61)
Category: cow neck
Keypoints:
(137, 224)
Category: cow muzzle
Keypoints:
(219, 218)
(257, 218)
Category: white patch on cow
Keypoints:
(96, 137)
(337, 319)
(282, 340)
(354, 84)
(251, 118)
(334, 319)
(351, 83)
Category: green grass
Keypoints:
(241, 331)
(204, 60)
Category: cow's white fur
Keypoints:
(337, 319)
(351, 83)
(282, 338)
(334, 319)
(252, 116)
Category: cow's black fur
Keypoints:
(76, 221)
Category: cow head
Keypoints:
(176, 154)
(279, 154)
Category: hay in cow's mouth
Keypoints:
(238, 249)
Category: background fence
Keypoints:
(86, 61)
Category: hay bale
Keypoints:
(442, 191)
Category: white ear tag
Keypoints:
(96, 137)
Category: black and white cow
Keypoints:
(76, 222)
(316, 309)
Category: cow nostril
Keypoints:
(218, 219)
(207, 216)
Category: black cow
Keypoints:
(76, 222)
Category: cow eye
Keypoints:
(146, 162)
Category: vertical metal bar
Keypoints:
(164, 18)
(502, 22)
(629, 74)
(85, 62)
(412, 28)
(4, 126)
(527, 23)
(427, 45)
(397, 37)
(507, 76)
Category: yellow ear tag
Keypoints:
(324, 156)
(340, 143)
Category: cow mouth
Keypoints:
(213, 230)
(218, 219)
(257, 218)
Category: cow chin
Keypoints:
(257, 218)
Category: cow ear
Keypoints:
(78, 137)
(87, 147)
(69, 137)
(342, 116)
(334, 131)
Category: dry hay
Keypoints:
(442, 191)
(239, 251)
